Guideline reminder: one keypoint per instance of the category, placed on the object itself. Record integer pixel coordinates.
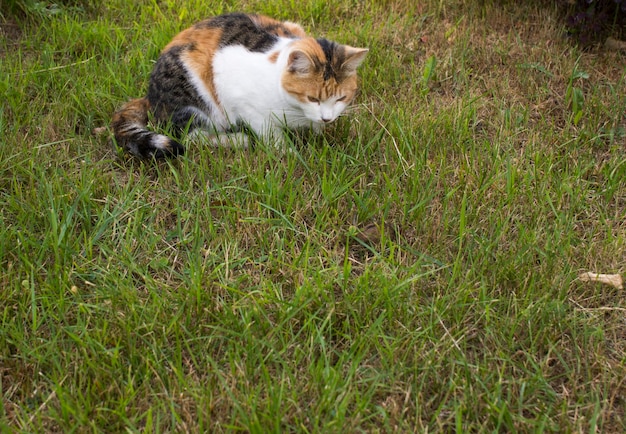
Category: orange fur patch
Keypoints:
(274, 57)
(134, 111)
(295, 29)
(205, 44)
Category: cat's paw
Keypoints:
(170, 150)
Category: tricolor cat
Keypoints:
(239, 72)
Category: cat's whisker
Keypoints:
(352, 109)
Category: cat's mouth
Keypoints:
(322, 122)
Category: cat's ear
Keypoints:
(354, 57)
(299, 62)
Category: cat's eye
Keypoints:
(343, 98)
(313, 99)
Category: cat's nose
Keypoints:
(325, 120)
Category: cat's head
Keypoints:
(320, 77)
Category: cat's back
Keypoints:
(255, 33)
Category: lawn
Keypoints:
(414, 269)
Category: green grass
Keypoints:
(234, 290)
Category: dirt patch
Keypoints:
(11, 34)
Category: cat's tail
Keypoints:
(131, 132)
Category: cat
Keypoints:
(236, 76)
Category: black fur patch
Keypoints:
(330, 67)
(239, 29)
(170, 88)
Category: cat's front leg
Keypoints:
(238, 140)
(270, 134)
(277, 139)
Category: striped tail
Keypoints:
(131, 132)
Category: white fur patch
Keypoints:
(249, 89)
(216, 117)
(161, 142)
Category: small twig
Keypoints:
(581, 308)
(42, 406)
(601, 309)
(454, 341)
(52, 395)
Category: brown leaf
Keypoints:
(615, 280)
(612, 44)
(98, 131)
